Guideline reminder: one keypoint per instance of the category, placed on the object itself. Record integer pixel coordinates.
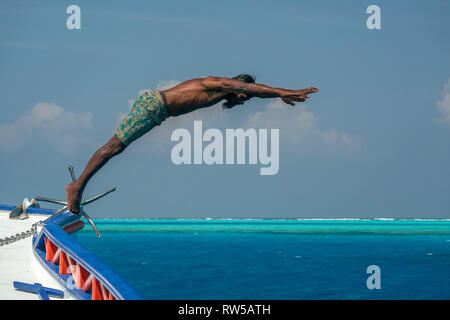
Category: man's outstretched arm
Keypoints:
(228, 85)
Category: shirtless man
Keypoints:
(153, 107)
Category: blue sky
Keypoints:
(374, 142)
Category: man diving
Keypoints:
(153, 107)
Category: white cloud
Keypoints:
(167, 84)
(444, 104)
(46, 122)
(299, 126)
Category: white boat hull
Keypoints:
(19, 263)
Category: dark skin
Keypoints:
(183, 98)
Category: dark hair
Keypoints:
(244, 78)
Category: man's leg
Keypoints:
(75, 189)
(148, 111)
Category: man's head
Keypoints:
(239, 98)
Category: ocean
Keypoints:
(277, 258)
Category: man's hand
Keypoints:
(292, 96)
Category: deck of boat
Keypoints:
(18, 262)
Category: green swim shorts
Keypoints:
(148, 111)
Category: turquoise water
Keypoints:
(277, 259)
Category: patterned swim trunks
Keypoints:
(148, 111)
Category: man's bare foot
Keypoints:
(74, 193)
